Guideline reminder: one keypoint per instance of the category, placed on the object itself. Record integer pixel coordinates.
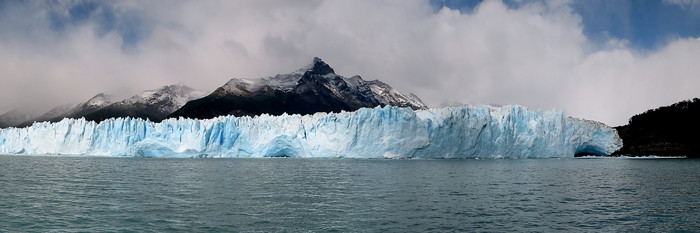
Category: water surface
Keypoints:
(42, 193)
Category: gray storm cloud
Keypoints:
(535, 55)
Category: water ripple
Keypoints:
(345, 195)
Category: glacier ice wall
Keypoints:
(388, 132)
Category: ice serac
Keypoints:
(381, 132)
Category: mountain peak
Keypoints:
(314, 88)
(178, 94)
(317, 66)
(321, 68)
(99, 100)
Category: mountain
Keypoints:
(153, 105)
(56, 112)
(95, 103)
(313, 88)
(665, 131)
(72, 111)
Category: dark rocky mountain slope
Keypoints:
(314, 88)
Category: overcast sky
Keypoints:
(603, 60)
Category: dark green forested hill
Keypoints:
(666, 131)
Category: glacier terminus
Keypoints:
(380, 132)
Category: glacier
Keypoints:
(380, 132)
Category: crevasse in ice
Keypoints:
(381, 132)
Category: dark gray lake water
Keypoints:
(263, 195)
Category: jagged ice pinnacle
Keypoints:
(388, 132)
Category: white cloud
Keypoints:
(684, 3)
(535, 55)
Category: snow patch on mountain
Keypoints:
(377, 90)
(98, 101)
(169, 98)
(390, 95)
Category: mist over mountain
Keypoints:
(16, 116)
(60, 112)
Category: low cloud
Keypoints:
(685, 3)
(534, 55)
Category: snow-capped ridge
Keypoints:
(391, 96)
(100, 100)
(175, 96)
(317, 66)
(155, 104)
(312, 88)
(151, 104)
(283, 82)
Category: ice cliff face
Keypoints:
(388, 132)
